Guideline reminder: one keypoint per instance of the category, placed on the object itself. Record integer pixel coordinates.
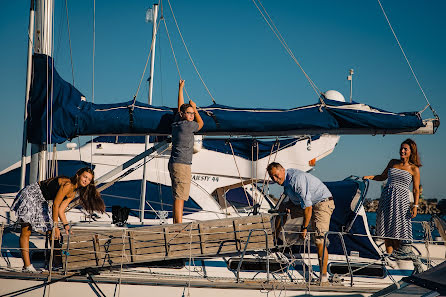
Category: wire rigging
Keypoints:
(188, 53)
(92, 87)
(145, 68)
(407, 60)
(276, 32)
(69, 41)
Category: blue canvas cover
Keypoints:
(243, 147)
(57, 114)
(250, 149)
(343, 217)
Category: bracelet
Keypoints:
(415, 205)
(64, 225)
(303, 228)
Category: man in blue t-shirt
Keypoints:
(187, 122)
(310, 198)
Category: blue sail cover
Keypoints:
(242, 147)
(57, 114)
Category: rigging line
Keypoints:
(240, 176)
(59, 33)
(79, 148)
(47, 172)
(166, 204)
(156, 212)
(427, 105)
(145, 67)
(92, 87)
(69, 41)
(122, 261)
(405, 57)
(94, 48)
(284, 44)
(257, 179)
(252, 173)
(254, 166)
(47, 115)
(190, 260)
(266, 172)
(161, 71)
(174, 56)
(187, 50)
(54, 162)
(48, 149)
(171, 47)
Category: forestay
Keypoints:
(69, 116)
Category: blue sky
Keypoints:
(243, 64)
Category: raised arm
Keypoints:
(180, 94)
(308, 211)
(197, 115)
(416, 190)
(62, 215)
(383, 176)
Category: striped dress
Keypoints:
(393, 218)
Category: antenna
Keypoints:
(350, 78)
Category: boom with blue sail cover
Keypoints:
(57, 104)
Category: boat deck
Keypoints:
(148, 280)
(105, 248)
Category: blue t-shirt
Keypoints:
(304, 189)
(182, 140)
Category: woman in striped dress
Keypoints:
(394, 214)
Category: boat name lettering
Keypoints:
(207, 178)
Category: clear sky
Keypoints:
(243, 64)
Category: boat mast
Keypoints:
(43, 45)
(350, 78)
(28, 86)
(142, 203)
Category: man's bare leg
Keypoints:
(178, 206)
(322, 264)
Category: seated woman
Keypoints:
(33, 212)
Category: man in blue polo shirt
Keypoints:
(309, 196)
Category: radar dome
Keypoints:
(334, 95)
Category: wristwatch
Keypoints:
(302, 228)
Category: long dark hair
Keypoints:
(89, 196)
(414, 156)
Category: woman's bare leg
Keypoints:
(392, 245)
(389, 245)
(24, 244)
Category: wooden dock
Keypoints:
(105, 248)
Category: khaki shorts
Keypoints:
(180, 175)
(320, 217)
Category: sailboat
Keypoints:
(214, 186)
